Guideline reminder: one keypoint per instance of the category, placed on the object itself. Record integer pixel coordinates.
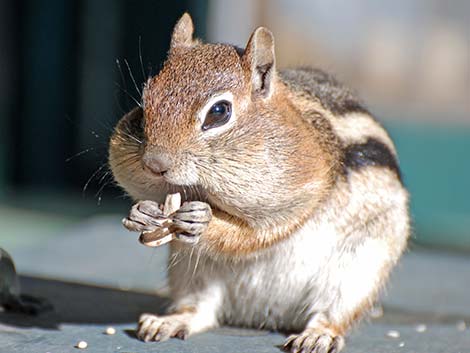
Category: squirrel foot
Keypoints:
(191, 220)
(161, 328)
(313, 340)
(144, 216)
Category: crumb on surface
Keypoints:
(81, 345)
(110, 331)
(393, 334)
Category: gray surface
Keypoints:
(427, 287)
(370, 340)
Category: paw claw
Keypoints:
(313, 341)
(191, 220)
(182, 334)
(144, 216)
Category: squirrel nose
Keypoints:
(156, 163)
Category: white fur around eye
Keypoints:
(225, 96)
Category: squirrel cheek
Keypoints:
(183, 173)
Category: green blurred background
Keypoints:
(67, 70)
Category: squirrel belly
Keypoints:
(331, 269)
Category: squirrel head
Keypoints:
(219, 120)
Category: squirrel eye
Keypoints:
(218, 115)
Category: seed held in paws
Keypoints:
(162, 235)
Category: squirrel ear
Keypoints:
(259, 59)
(183, 32)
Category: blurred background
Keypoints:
(70, 69)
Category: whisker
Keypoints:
(197, 262)
(130, 159)
(79, 154)
(103, 177)
(100, 190)
(118, 63)
(129, 133)
(131, 96)
(132, 166)
(175, 260)
(132, 137)
(123, 196)
(92, 176)
(132, 77)
(140, 58)
(190, 259)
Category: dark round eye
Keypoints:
(218, 115)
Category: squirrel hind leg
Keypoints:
(361, 275)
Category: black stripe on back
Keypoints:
(332, 94)
(370, 153)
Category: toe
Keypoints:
(154, 328)
(337, 345)
(322, 344)
(312, 341)
(294, 343)
(182, 334)
(189, 227)
(150, 208)
(148, 327)
(308, 345)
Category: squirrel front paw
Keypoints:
(191, 220)
(314, 341)
(145, 216)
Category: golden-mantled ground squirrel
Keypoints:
(294, 210)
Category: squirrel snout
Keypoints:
(156, 163)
